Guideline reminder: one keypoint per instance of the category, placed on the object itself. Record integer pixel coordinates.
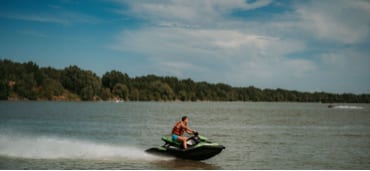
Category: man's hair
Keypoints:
(183, 118)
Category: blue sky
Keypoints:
(298, 45)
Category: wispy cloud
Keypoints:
(337, 21)
(33, 33)
(183, 35)
(191, 12)
(59, 17)
(220, 52)
(44, 18)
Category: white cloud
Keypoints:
(189, 12)
(214, 55)
(60, 17)
(170, 42)
(353, 61)
(199, 39)
(178, 67)
(35, 18)
(340, 20)
(269, 73)
(345, 70)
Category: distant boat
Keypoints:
(331, 106)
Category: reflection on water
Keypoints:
(185, 165)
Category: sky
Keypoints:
(297, 45)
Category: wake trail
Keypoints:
(47, 147)
(348, 107)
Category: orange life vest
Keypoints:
(178, 129)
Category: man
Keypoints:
(179, 128)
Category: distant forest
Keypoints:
(28, 81)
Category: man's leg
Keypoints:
(183, 140)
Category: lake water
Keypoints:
(108, 135)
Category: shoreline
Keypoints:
(178, 101)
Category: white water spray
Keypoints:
(348, 107)
(45, 147)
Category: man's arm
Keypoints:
(187, 129)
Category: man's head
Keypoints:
(185, 119)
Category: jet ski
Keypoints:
(198, 148)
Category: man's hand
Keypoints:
(195, 132)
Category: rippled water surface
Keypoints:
(107, 135)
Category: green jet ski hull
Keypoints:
(199, 148)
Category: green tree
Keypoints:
(162, 91)
(87, 93)
(105, 94)
(110, 79)
(134, 94)
(51, 87)
(75, 79)
(183, 96)
(52, 73)
(25, 87)
(4, 90)
(120, 90)
(204, 91)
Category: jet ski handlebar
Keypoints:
(196, 133)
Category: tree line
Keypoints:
(28, 81)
